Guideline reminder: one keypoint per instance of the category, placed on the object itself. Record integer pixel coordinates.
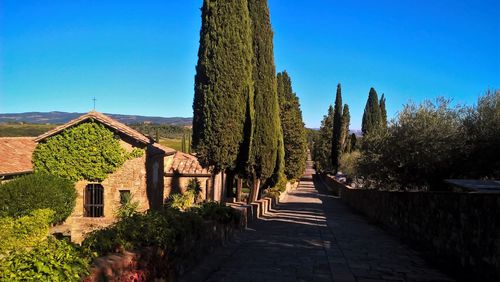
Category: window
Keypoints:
(94, 200)
(124, 196)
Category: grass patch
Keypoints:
(175, 144)
(24, 130)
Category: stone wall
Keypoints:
(458, 230)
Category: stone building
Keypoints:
(150, 179)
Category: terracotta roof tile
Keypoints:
(15, 155)
(104, 119)
(186, 164)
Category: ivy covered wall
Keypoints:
(87, 151)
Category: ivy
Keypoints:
(135, 153)
(88, 151)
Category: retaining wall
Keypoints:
(459, 230)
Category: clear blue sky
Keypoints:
(139, 57)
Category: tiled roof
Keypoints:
(104, 119)
(168, 151)
(186, 164)
(15, 155)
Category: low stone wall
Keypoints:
(151, 263)
(457, 229)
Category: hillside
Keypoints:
(63, 117)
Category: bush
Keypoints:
(417, 151)
(128, 207)
(349, 162)
(51, 260)
(23, 195)
(218, 212)
(482, 133)
(160, 229)
(24, 232)
(182, 201)
(166, 229)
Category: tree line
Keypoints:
(420, 147)
(247, 121)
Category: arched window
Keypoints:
(94, 200)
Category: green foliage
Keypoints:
(372, 116)
(294, 132)
(383, 112)
(24, 232)
(86, 151)
(218, 212)
(349, 163)
(128, 207)
(481, 130)
(165, 131)
(23, 129)
(344, 134)
(135, 153)
(417, 151)
(23, 195)
(321, 153)
(182, 201)
(50, 260)
(195, 186)
(337, 130)
(166, 229)
(266, 123)
(223, 100)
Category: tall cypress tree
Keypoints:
(294, 132)
(383, 112)
(353, 143)
(346, 121)
(337, 130)
(223, 100)
(266, 123)
(371, 116)
(323, 144)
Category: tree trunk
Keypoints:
(239, 188)
(229, 184)
(254, 192)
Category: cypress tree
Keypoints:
(353, 143)
(371, 116)
(383, 112)
(294, 132)
(323, 144)
(337, 130)
(223, 100)
(346, 121)
(266, 123)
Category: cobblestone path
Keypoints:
(313, 236)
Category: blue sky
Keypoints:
(139, 57)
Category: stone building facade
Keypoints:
(149, 179)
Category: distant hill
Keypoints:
(63, 117)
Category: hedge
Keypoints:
(164, 229)
(23, 195)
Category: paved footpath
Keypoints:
(313, 236)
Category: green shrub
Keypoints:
(182, 201)
(217, 212)
(128, 207)
(166, 229)
(24, 232)
(273, 193)
(51, 260)
(87, 151)
(23, 195)
(349, 162)
(195, 185)
(162, 229)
